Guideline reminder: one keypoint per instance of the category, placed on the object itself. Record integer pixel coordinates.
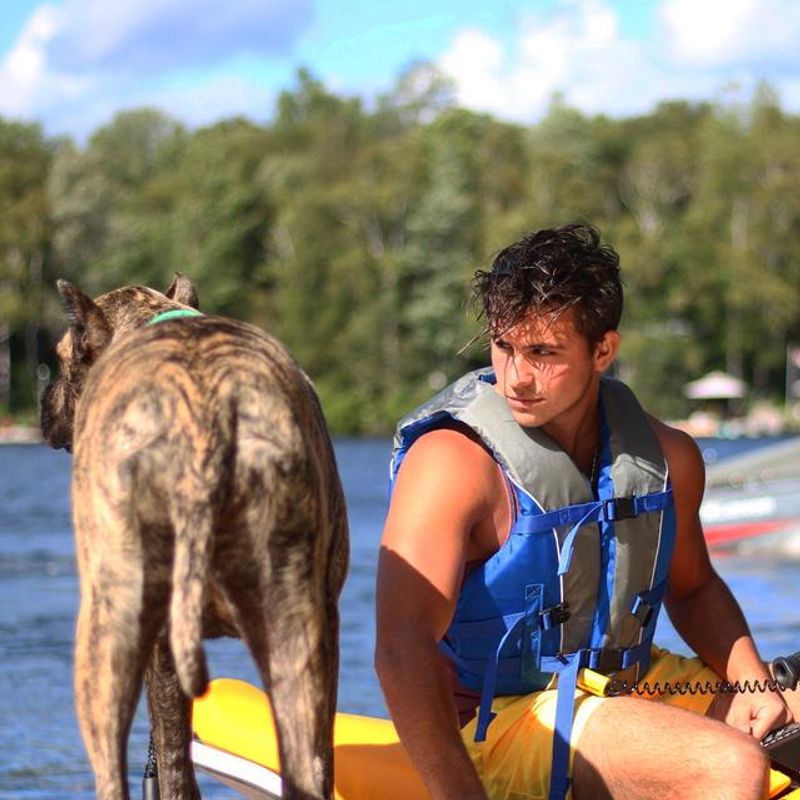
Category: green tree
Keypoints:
(111, 201)
(220, 216)
(25, 241)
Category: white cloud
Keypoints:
(25, 82)
(477, 62)
(84, 59)
(145, 36)
(726, 33)
(78, 61)
(580, 52)
(26, 59)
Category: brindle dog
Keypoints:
(206, 501)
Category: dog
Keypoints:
(206, 501)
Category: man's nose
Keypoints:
(519, 371)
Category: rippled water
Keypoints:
(42, 755)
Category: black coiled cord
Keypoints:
(644, 688)
(786, 671)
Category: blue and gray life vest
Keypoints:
(580, 579)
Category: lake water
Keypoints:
(42, 755)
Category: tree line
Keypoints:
(352, 232)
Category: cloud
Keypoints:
(24, 79)
(79, 58)
(580, 52)
(722, 34)
(143, 36)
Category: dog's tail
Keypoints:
(193, 543)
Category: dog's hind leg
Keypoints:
(170, 712)
(108, 674)
(293, 641)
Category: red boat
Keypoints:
(753, 496)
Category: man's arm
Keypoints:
(442, 496)
(700, 604)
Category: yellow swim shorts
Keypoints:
(514, 761)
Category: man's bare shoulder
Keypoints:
(456, 449)
(682, 454)
(449, 468)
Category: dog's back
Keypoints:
(205, 500)
(207, 435)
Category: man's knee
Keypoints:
(739, 766)
(637, 749)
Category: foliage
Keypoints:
(352, 233)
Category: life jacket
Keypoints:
(580, 579)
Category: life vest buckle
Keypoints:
(555, 615)
(606, 660)
(620, 508)
(643, 611)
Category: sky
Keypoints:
(72, 64)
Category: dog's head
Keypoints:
(93, 325)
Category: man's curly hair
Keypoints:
(548, 272)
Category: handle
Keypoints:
(786, 670)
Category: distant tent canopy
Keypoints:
(716, 385)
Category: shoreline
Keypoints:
(20, 434)
(32, 434)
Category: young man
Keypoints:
(538, 520)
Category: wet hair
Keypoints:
(548, 272)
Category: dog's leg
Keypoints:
(107, 680)
(170, 712)
(294, 646)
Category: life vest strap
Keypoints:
(600, 511)
(560, 778)
(645, 604)
(485, 713)
(617, 508)
(598, 659)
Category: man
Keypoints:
(538, 519)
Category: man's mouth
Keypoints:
(524, 401)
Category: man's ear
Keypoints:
(605, 351)
(182, 290)
(89, 327)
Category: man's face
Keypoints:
(547, 370)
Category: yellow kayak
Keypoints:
(235, 742)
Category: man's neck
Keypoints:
(578, 431)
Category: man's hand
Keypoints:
(702, 607)
(757, 713)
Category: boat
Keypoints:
(235, 743)
(754, 497)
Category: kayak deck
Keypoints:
(251, 780)
(235, 743)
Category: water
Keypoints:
(42, 755)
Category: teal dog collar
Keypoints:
(174, 314)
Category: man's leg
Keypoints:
(643, 750)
